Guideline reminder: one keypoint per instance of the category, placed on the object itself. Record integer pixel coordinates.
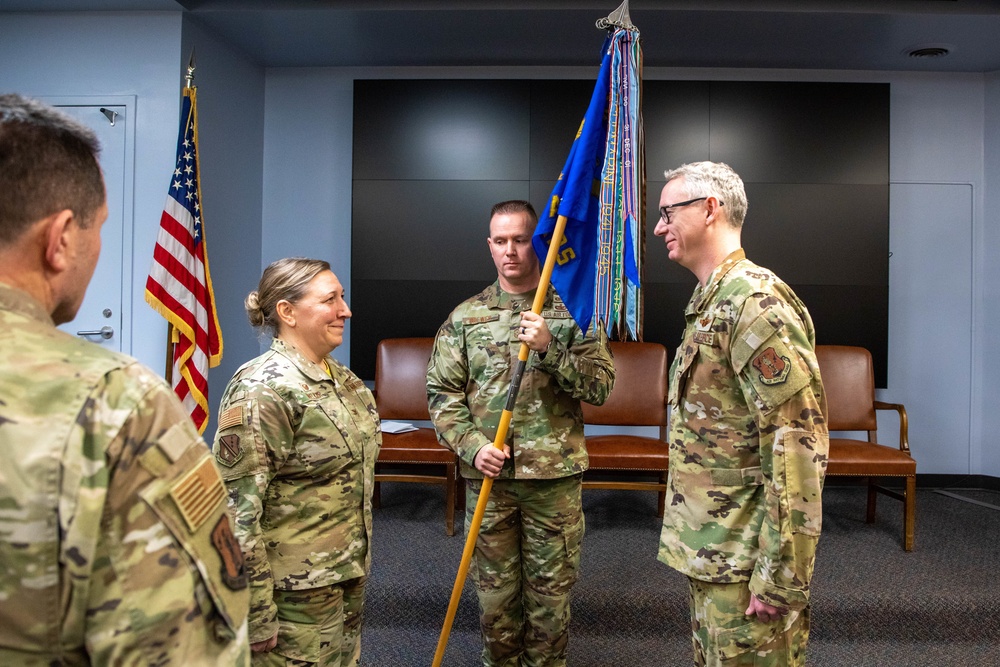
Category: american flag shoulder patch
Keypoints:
(198, 493)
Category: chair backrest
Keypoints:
(401, 378)
(849, 382)
(640, 394)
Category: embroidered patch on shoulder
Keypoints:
(773, 369)
(233, 570)
(198, 493)
(229, 452)
(231, 417)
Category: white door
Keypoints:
(101, 316)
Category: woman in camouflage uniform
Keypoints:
(297, 442)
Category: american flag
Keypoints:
(179, 286)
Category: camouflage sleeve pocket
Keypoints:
(768, 363)
(236, 442)
(192, 508)
(804, 470)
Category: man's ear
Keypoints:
(58, 232)
(712, 209)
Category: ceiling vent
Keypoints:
(929, 51)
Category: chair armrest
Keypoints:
(904, 438)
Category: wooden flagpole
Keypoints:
(505, 417)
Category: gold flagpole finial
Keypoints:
(189, 77)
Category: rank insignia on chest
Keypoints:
(773, 369)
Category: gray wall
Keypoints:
(987, 404)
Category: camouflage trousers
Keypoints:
(318, 626)
(723, 636)
(526, 561)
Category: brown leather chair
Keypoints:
(850, 394)
(401, 394)
(638, 399)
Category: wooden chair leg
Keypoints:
(872, 496)
(459, 490)
(661, 500)
(376, 496)
(909, 512)
(449, 502)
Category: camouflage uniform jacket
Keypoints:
(297, 449)
(115, 543)
(470, 371)
(748, 437)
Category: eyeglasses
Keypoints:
(667, 211)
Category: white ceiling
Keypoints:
(787, 34)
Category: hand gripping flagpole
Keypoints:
(505, 417)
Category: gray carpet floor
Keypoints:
(873, 603)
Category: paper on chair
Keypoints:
(397, 427)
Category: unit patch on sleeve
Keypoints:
(773, 368)
(234, 572)
(229, 450)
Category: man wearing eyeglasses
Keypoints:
(748, 434)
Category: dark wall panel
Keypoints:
(676, 122)
(557, 107)
(802, 132)
(440, 130)
(431, 157)
(425, 230)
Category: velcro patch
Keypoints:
(233, 570)
(198, 494)
(704, 338)
(354, 384)
(175, 441)
(231, 417)
(229, 450)
(773, 368)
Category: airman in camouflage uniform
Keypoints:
(748, 436)
(115, 543)
(297, 444)
(528, 552)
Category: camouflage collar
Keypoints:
(22, 303)
(703, 295)
(494, 297)
(313, 371)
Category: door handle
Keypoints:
(104, 332)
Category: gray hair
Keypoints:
(48, 163)
(283, 280)
(714, 179)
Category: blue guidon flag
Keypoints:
(600, 192)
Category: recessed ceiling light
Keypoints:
(929, 50)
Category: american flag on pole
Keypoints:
(179, 286)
